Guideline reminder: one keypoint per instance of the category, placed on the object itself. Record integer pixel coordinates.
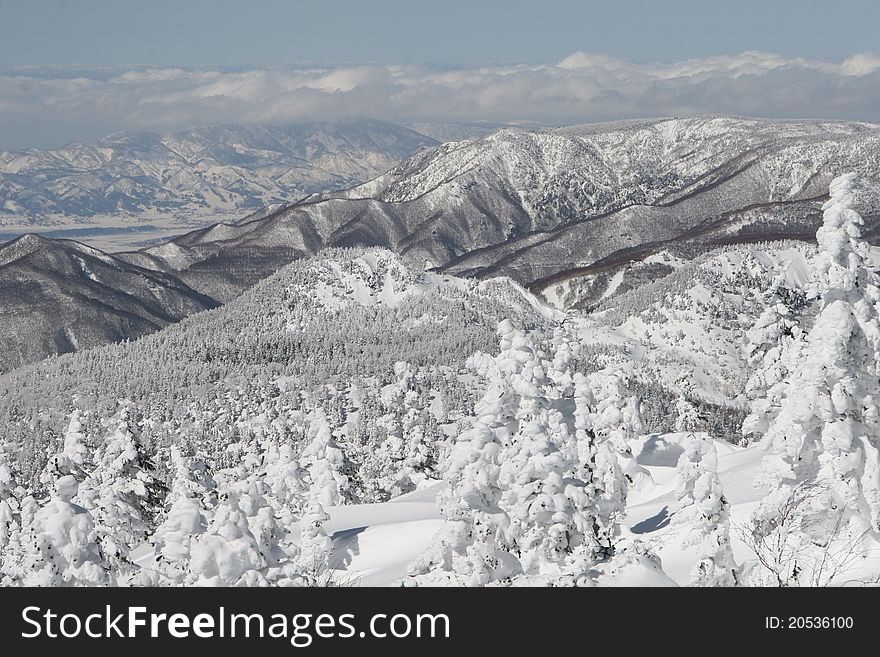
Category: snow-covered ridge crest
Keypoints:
(336, 279)
(623, 155)
(541, 205)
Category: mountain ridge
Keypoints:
(220, 169)
(564, 212)
(60, 296)
(530, 204)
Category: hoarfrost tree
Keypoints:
(10, 518)
(316, 546)
(687, 418)
(702, 508)
(547, 506)
(599, 467)
(470, 548)
(186, 517)
(73, 459)
(60, 546)
(523, 504)
(227, 553)
(615, 418)
(14, 565)
(826, 432)
(326, 462)
(124, 497)
(287, 479)
(772, 349)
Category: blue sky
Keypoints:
(448, 32)
(78, 69)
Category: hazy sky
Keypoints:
(83, 68)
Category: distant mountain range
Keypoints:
(213, 170)
(564, 212)
(543, 206)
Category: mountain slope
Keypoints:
(317, 329)
(60, 296)
(534, 205)
(213, 170)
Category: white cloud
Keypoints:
(863, 63)
(581, 87)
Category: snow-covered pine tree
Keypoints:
(325, 461)
(559, 370)
(616, 418)
(599, 468)
(316, 547)
(74, 457)
(547, 506)
(58, 542)
(227, 553)
(273, 536)
(470, 549)
(21, 542)
(10, 520)
(687, 418)
(773, 346)
(286, 478)
(825, 434)
(124, 497)
(702, 508)
(185, 518)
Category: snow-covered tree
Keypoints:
(124, 497)
(547, 506)
(687, 417)
(616, 418)
(599, 467)
(616, 413)
(73, 459)
(227, 553)
(530, 500)
(14, 565)
(59, 542)
(326, 462)
(10, 521)
(286, 477)
(316, 547)
(273, 535)
(184, 519)
(828, 424)
(703, 510)
(772, 348)
(470, 548)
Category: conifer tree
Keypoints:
(705, 513)
(828, 424)
(326, 462)
(10, 520)
(470, 548)
(125, 497)
(186, 517)
(59, 542)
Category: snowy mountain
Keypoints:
(580, 215)
(61, 296)
(317, 327)
(543, 206)
(354, 418)
(219, 171)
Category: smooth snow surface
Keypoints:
(376, 542)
